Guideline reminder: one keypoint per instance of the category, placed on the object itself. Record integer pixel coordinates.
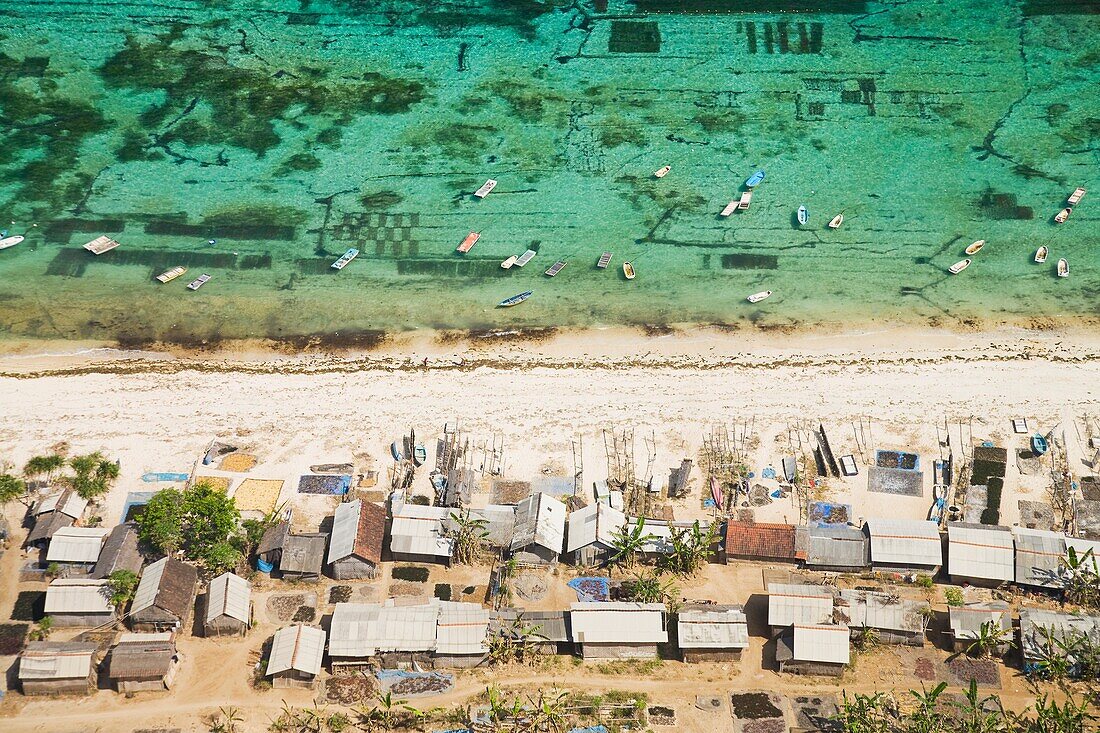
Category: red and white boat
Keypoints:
(469, 242)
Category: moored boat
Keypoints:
(1041, 254)
(1063, 267)
(803, 215)
(515, 299)
(976, 247)
(198, 282)
(170, 275)
(1039, 444)
(744, 201)
(1076, 196)
(469, 242)
(836, 221)
(99, 245)
(959, 266)
(507, 264)
(755, 179)
(662, 172)
(555, 268)
(420, 454)
(730, 208)
(347, 257)
(11, 241)
(757, 297)
(525, 258)
(1062, 215)
(628, 271)
(486, 187)
(604, 261)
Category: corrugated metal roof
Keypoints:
(976, 551)
(712, 629)
(540, 520)
(418, 530)
(407, 628)
(551, 626)
(149, 585)
(345, 525)
(799, 604)
(966, 621)
(297, 647)
(141, 658)
(76, 545)
(880, 611)
(228, 595)
(821, 643)
(354, 630)
(905, 542)
(52, 660)
(618, 623)
(303, 553)
(130, 637)
(842, 547)
(1035, 622)
(462, 629)
(78, 596)
(67, 502)
(1039, 555)
(595, 523)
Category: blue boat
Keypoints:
(515, 299)
(803, 215)
(1039, 444)
(755, 179)
(395, 451)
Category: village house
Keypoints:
(894, 620)
(708, 633)
(120, 552)
(143, 662)
(295, 659)
(270, 550)
(763, 541)
(302, 556)
(1041, 632)
(966, 622)
(228, 606)
(814, 649)
(462, 635)
(591, 534)
(539, 532)
(355, 546)
(547, 630)
(57, 668)
(55, 511)
(1039, 557)
(499, 524)
(618, 630)
(980, 554)
(838, 549)
(417, 534)
(905, 545)
(165, 596)
(75, 550)
(806, 605)
(79, 603)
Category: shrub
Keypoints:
(413, 573)
(953, 596)
(925, 581)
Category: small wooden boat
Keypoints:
(525, 258)
(486, 187)
(959, 266)
(1076, 196)
(395, 451)
(757, 297)
(507, 264)
(662, 172)
(744, 201)
(1062, 215)
(345, 258)
(555, 268)
(836, 221)
(198, 282)
(170, 275)
(1063, 268)
(976, 247)
(605, 260)
(1039, 444)
(420, 454)
(755, 179)
(730, 208)
(99, 245)
(469, 242)
(1041, 254)
(515, 299)
(11, 241)
(628, 271)
(803, 215)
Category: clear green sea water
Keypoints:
(291, 130)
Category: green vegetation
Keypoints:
(11, 488)
(953, 596)
(925, 581)
(627, 542)
(92, 475)
(200, 522)
(990, 638)
(413, 573)
(1082, 578)
(691, 548)
(42, 631)
(46, 466)
(121, 584)
(471, 537)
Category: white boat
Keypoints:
(975, 247)
(1076, 196)
(628, 271)
(604, 261)
(803, 215)
(347, 257)
(1062, 215)
(469, 242)
(757, 297)
(836, 221)
(730, 208)
(486, 187)
(959, 266)
(1063, 267)
(99, 245)
(744, 201)
(198, 282)
(170, 275)
(1041, 254)
(525, 258)
(662, 172)
(507, 264)
(11, 241)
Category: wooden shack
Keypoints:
(57, 668)
(165, 597)
(355, 547)
(228, 606)
(143, 662)
(295, 659)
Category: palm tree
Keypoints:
(627, 541)
(690, 548)
(471, 536)
(44, 466)
(11, 488)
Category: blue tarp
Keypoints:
(592, 729)
(828, 514)
(154, 477)
(320, 484)
(768, 472)
(591, 589)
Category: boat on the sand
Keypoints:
(515, 299)
(976, 247)
(198, 282)
(757, 297)
(170, 275)
(959, 266)
(1039, 444)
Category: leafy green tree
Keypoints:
(11, 488)
(161, 521)
(42, 631)
(690, 548)
(471, 535)
(93, 475)
(200, 521)
(627, 542)
(44, 466)
(121, 585)
(953, 596)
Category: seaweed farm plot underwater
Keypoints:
(257, 142)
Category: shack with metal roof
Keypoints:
(79, 603)
(270, 549)
(904, 545)
(818, 649)
(539, 532)
(838, 549)
(618, 630)
(76, 549)
(966, 622)
(355, 546)
(711, 633)
(228, 606)
(120, 552)
(1039, 557)
(763, 541)
(980, 554)
(165, 596)
(418, 534)
(302, 556)
(792, 603)
(462, 635)
(55, 511)
(895, 620)
(143, 662)
(1047, 636)
(591, 534)
(57, 668)
(547, 631)
(295, 658)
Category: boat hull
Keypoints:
(803, 215)
(514, 300)
(958, 267)
(662, 172)
(628, 271)
(755, 179)
(11, 241)
(1063, 268)
(757, 297)
(837, 221)
(1041, 255)
(975, 247)
(507, 264)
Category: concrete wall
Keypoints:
(618, 651)
(466, 661)
(814, 668)
(81, 686)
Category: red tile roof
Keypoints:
(761, 541)
(372, 530)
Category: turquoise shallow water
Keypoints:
(290, 131)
